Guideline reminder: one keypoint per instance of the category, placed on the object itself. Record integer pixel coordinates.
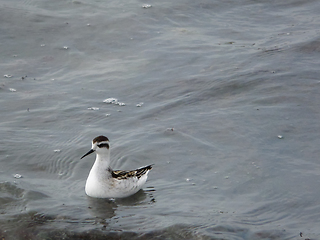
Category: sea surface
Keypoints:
(223, 97)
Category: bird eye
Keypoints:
(103, 145)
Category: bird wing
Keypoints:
(120, 174)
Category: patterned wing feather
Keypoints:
(119, 174)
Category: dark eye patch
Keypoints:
(103, 145)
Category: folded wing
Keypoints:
(120, 175)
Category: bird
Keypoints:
(103, 182)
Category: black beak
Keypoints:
(91, 151)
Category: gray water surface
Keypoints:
(228, 112)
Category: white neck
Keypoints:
(99, 175)
(102, 161)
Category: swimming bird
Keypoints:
(103, 182)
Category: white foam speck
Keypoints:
(146, 6)
(139, 104)
(110, 100)
(93, 108)
(114, 101)
(17, 176)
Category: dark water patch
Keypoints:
(313, 47)
(173, 232)
(14, 199)
(227, 232)
(270, 234)
(36, 230)
(10, 197)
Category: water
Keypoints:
(208, 88)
